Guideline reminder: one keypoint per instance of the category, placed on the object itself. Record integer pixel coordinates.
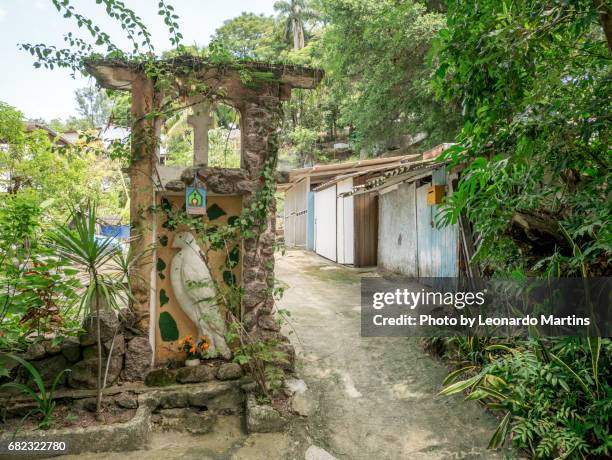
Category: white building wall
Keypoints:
(325, 223)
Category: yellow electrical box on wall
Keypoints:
(435, 193)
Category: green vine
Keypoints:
(261, 357)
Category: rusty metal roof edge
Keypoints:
(301, 172)
(380, 182)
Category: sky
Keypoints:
(48, 94)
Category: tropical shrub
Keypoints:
(39, 290)
(103, 264)
(555, 395)
(533, 81)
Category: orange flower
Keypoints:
(205, 346)
(192, 349)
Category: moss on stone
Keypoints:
(160, 378)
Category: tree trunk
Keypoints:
(301, 35)
(296, 33)
(99, 341)
(605, 17)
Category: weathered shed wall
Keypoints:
(310, 222)
(409, 242)
(296, 215)
(345, 232)
(325, 223)
(397, 249)
(366, 227)
(288, 218)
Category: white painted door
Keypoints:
(325, 223)
(344, 219)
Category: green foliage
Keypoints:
(79, 49)
(261, 357)
(533, 80)
(555, 394)
(374, 54)
(104, 265)
(44, 398)
(93, 105)
(34, 164)
(304, 142)
(100, 260)
(39, 290)
(223, 151)
(250, 36)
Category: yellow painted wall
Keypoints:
(165, 350)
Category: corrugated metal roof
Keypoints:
(332, 170)
(404, 173)
(404, 166)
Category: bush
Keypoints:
(555, 395)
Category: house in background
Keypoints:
(55, 137)
(378, 213)
(299, 207)
(346, 226)
(409, 242)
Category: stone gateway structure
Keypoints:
(255, 90)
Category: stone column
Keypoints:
(142, 194)
(201, 122)
(260, 118)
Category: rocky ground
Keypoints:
(365, 398)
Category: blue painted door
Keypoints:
(310, 230)
(437, 247)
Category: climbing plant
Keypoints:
(261, 357)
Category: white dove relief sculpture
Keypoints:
(194, 290)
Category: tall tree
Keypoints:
(93, 105)
(375, 58)
(249, 36)
(295, 13)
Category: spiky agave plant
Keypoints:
(104, 288)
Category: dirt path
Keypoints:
(374, 397)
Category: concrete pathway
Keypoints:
(374, 398)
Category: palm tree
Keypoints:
(296, 13)
(103, 264)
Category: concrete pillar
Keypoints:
(142, 194)
(201, 122)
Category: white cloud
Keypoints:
(2, 14)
